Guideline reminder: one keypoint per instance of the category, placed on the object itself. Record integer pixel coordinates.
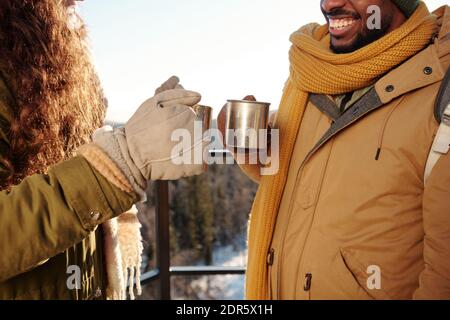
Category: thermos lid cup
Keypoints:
(246, 124)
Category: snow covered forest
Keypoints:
(208, 226)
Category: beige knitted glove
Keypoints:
(144, 149)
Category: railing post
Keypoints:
(163, 237)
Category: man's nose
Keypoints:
(328, 5)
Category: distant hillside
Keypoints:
(206, 211)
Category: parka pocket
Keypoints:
(360, 272)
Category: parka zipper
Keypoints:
(281, 250)
(285, 227)
(270, 260)
(307, 158)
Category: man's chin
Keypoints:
(340, 47)
(360, 40)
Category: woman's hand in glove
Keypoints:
(143, 148)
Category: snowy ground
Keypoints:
(227, 287)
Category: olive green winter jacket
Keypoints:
(49, 227)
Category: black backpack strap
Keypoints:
(443, 98)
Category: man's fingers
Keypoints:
(250, 98)
(172, 83)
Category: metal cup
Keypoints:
(244, 122)
(204, 114)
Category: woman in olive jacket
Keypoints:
(55, 198)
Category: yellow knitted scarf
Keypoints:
(315, 69)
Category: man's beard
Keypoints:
(365, 37)
(59, 101)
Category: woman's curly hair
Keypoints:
(58, 98)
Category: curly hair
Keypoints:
(58, 98)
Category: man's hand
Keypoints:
(251, 170)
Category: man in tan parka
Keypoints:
(350, 215)
(66, 228)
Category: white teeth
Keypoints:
(341, 23)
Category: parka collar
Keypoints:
(423, 69)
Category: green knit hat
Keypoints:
(407, 6)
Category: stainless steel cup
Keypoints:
(204, 114)
(244, 120)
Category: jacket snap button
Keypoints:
(308, 278)
(428, 70)
(390, 88)
(95, 215)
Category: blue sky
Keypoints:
(223, 49)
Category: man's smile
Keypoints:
(342, 26)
